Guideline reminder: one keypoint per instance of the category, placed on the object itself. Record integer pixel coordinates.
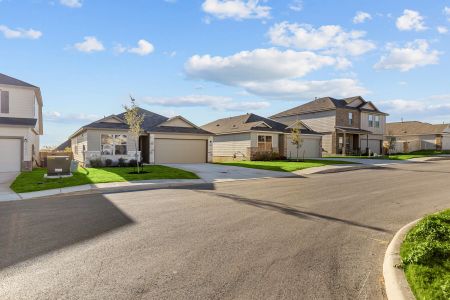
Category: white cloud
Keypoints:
(446, 12)
(411, 20)
(55, 116)
(20, 33)
(236, 9)
(90, 44)
(297, 89)
(256, 65)
(329, 38)
(214, 102)
(412, 55)
(442, 29)
(144, 48)
(361, 17)
(296, 5)
(71, 3)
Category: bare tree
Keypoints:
(390, 143)
(296, 137)
(134, 121)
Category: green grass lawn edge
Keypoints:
(425, 254)
(283, 165)
(398, 156)
(34, 181)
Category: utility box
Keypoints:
(58, 165)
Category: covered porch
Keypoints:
(348, 140)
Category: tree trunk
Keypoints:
(136, 155)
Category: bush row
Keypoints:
(99, 163)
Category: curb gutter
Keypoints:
(397, 287)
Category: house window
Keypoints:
(4, 102)
(350, 118)
(114, 144)
(264, 143)
(370, 120)
(377, 121)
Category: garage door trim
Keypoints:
(21, 138)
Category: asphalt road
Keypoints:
(320, 237)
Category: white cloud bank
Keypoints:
(143, 48)
(55, 116)
(412, 55)
(214, 102)
(329, 38)
(89, 45)
(236, 9)
(20, 33)
(442, 29)
(71, 3)
(411, 20)
(361, 17)
(296, 5)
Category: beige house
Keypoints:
(20, 124)
(164, 140)
(349, 126)
(242, 137)
(414, 136)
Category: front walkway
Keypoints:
(6, 194)
(218, 173)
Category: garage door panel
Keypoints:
(180, 151)
(10, 158)
(309, 149)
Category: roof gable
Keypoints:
(178, 121)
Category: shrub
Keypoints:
(122, 162)
(266, 156)
(108, 162)
(96, 163)
(132, 163)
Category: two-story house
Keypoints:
(20, 124)
(349, 126)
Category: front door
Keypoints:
(144, 147)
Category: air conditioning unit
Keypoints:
(58, 165)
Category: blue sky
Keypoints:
(207, 59)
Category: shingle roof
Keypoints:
(152, 122)
(5, 79)
(245, 123)
(18, 121)
(322, 104)
(414, 128)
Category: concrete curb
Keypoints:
(397, 287)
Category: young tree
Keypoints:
(390, 143)
(296, 137)
(134, 120)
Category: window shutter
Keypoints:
(4, 102)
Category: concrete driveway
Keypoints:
(6, 194)
(217, 173)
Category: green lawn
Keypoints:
(426, 257)
(35, 181)
(400, 156)
(282, 165)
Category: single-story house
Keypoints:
(163, 140)
(20, 124)
(242, 137)
(414, 135)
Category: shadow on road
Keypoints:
(32, 228)
(288, 210)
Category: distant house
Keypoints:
(414, 135)
(242, 137)
(349, 126)
(20, 124)
(164, 140)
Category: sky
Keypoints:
(209, 59)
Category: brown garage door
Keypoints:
(178, 151)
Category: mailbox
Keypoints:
(58, 165)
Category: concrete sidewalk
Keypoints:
(6, 194)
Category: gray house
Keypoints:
(163, 140)
(350, 126)
(241, 137)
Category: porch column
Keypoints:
(210, 149)
(344, 146)
(152, 148)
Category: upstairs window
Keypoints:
(264, 143)
(350, 118)
(377, 121)
(114, 144)
(370, 120)
(4, 102)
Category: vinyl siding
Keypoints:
(231, 144)
(374, 130)
(94, 139)
(324, 121)
(21, 102)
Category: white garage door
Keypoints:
(10, 157)
(374, 146)
(178, 151)
(310, 148)
(446, 143)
